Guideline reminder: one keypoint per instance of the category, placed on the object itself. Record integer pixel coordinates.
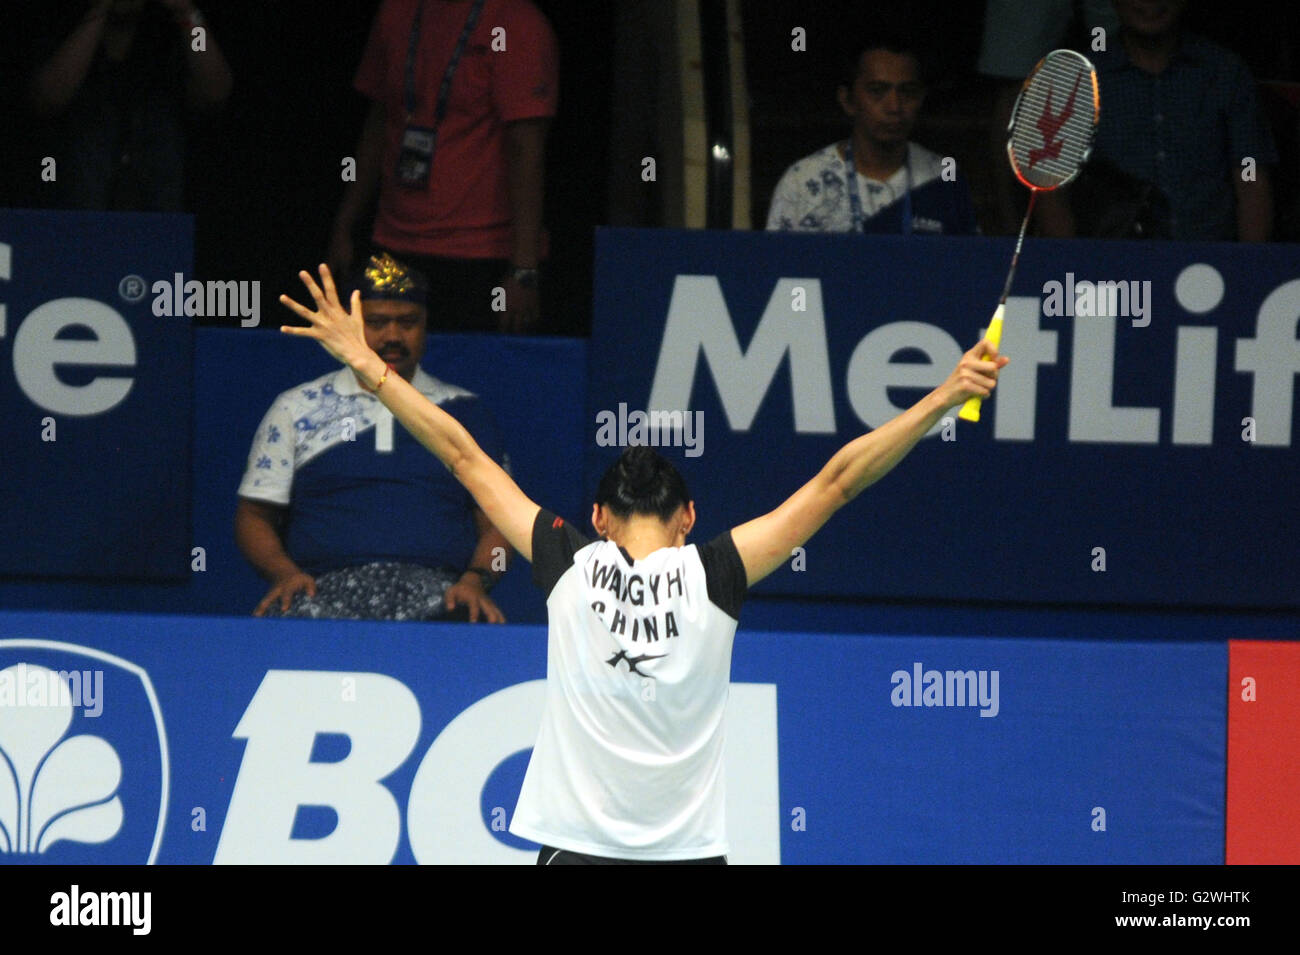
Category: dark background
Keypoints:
(264, 172)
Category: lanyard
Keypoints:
(440, 109)
(855, 202)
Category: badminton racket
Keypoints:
(1049, 139)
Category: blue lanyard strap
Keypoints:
(855, 201)
(444, 91)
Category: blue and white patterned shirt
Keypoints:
(358, 487)
(813, 196)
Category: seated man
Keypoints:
(876, 180)
(1181, 130)
(1181, 113)
(339, 507)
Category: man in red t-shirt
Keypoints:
(459, 173)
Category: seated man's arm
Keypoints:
(491, 554)
(783, 210)
(1254, 206)
(257, 532)
(493, 550)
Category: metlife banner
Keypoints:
(96, 391)
(1140, 448)
(130, 739)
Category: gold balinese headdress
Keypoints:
(385, 277)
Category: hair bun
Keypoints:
(642, 481)
(641, 474)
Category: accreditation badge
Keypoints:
(415, 159)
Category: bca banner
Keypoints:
(196, 740)
(96, 390)
(1140, 447)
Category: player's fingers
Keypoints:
(260, 609)
(355, 310)
(300, 331)
(311, 587)
(327, 283)
(312, 287)
(985, 349)
(473, 611)
(296, 307)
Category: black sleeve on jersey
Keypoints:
(555, 541)
(724, 573)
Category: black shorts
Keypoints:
(552, 856)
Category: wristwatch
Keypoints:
(488, 577)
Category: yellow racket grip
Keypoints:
(970, 411)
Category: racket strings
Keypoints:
(1055, 116)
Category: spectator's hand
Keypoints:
(468, 591)
(284, 590)
(341, 251)
(521, 307)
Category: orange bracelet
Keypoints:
(379, 384)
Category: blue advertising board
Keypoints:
(1139, 449)
(96, 390)
(194, 740)
(237, 374)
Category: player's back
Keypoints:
(628, 761)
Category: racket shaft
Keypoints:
(970, 411)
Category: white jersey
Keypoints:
(628, 762)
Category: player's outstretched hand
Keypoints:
(975, 376)
(340, 331)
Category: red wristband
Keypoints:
(379, 384)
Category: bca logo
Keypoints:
(447, 819)
(83, 757)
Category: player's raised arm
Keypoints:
(766, 542)
(341, 332)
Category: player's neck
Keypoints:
(877, 160)
(642, 537)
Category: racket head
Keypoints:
(1054, 121)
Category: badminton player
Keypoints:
(628, 762)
